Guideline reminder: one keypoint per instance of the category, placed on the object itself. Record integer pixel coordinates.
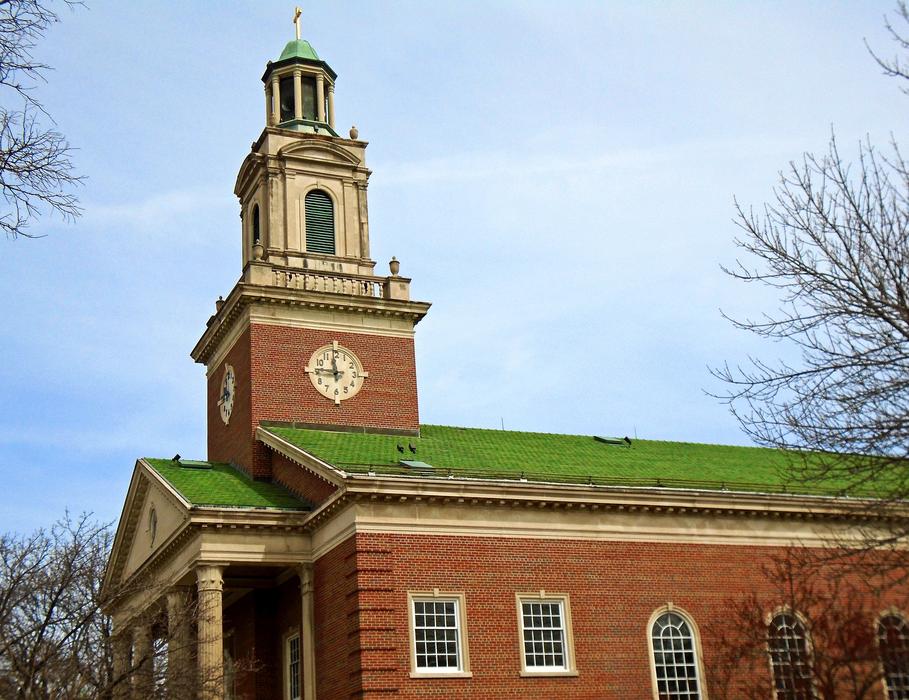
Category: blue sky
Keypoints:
(557, 178)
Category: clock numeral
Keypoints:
(320, 380)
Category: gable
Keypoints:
(158, 519)
(140, 537)
(319, 151)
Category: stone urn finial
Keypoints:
(218, 304)
(354, 132)
(395, 266)
(258, 250)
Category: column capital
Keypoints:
(210, 577)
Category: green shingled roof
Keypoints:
(579, 459)
(220, 485)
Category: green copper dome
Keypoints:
(299, 48)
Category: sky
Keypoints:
(557, 178)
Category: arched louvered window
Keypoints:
(893, 642)
(320, 223)
(256, 226)
(675, 658)
(790, 658)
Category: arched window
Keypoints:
(320, 223)
(893, 642)
(675, 658)
(790, 658)
(256, 226)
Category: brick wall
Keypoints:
(337, 622)
(272, 385)
(255, 628)
(614, 588)
(282, 390)
(232, 442)
(300, 480)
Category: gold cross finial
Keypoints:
(297, 13)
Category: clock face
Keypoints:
(336, 372)
(228, 392)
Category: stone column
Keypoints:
(276, 100)
(210, 583)
(268, 107)
(179, 670)
(331, 105)
(298, 94)
(320, 97)
(364, 220)
(307, 633)
(143, 661)
(122, 653)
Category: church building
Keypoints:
(334, 547)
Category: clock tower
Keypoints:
(310, 334)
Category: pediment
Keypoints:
(152, 516)
(319, 151)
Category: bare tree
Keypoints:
(36, 168)
(54, 641)
(834, 247)
(835, 646)
(57, 641)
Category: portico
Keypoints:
(193, 613)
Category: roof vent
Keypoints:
(193, 464)
(413, 464)
(621, 442)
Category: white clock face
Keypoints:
(228, 392)
(336, 372)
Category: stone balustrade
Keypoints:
(328, 282)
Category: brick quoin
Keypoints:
(614, 588)
(272, 385)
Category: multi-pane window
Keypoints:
(790, 659)
(544, 637)
(292, 662)
(893, 642)
(437, 635)
(675, 661)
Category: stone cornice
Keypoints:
(244, 294)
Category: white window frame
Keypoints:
(695, 640)
(889, 612)
(285, 664)
(809, 646)
(562, 600)
(437, 596)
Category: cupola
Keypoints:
(300, 88)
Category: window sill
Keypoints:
(450, 674)
(549, 674)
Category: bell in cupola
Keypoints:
(300, 88)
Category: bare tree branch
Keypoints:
(37, 175)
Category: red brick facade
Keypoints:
(614, 587)
(269, 362)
